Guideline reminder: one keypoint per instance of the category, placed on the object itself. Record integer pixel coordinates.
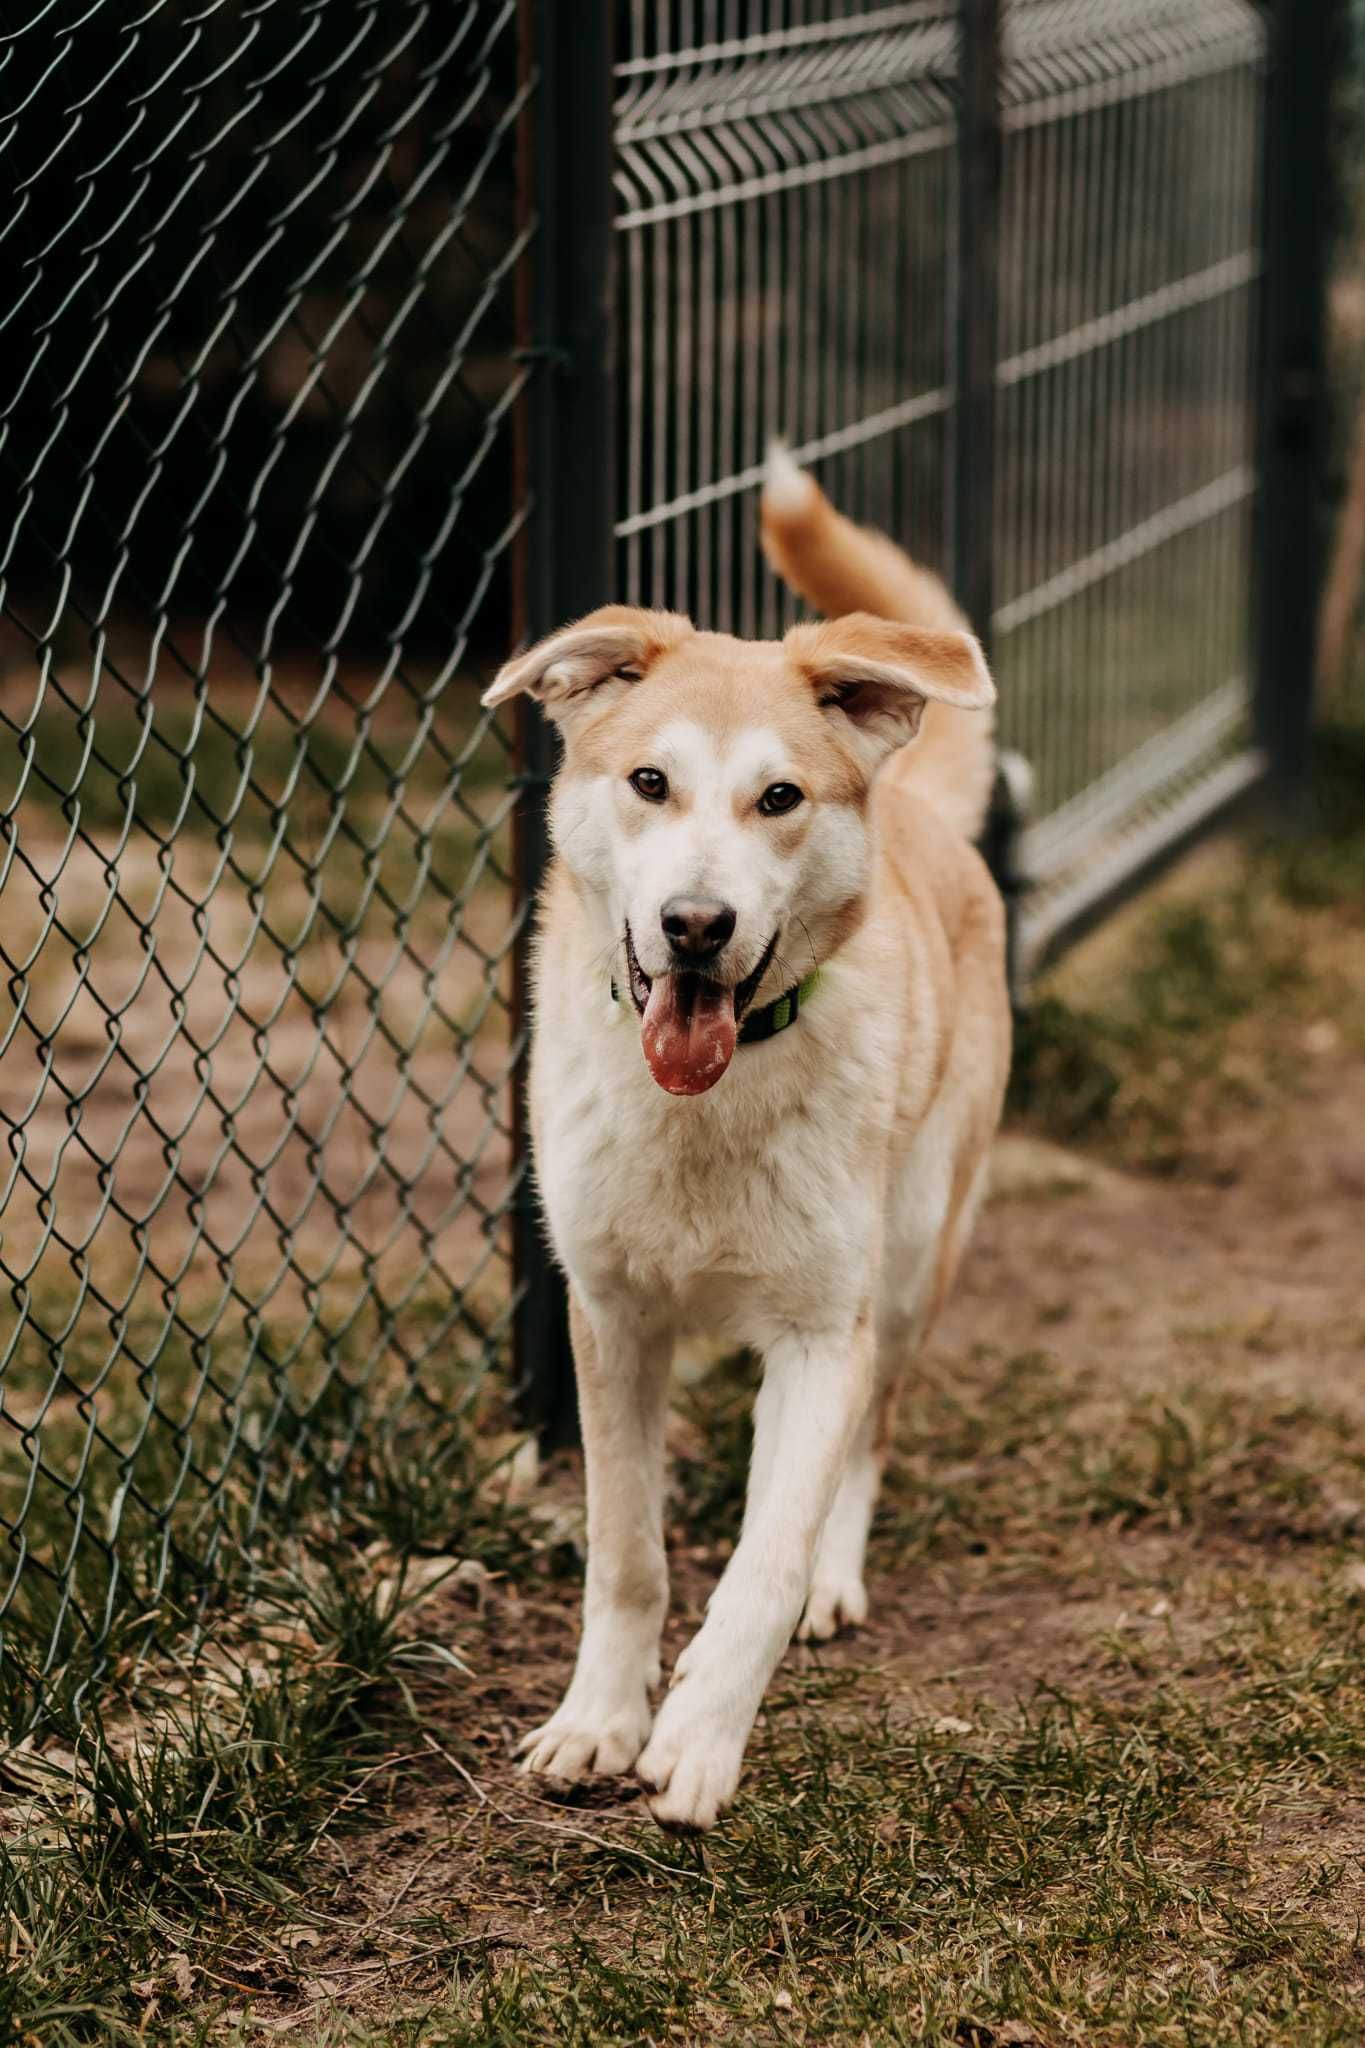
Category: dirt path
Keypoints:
(1121, 1275)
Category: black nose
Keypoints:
(696, 927)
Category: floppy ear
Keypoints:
(599, 657)
(879, 674)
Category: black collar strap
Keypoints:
(774, 1016)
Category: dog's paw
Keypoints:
(833, 1604)
(583, 1741)
(691, 1765)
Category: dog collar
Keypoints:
(774, 1016)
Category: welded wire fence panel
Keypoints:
(255, 401)
(1130, 261)
(784, 220)
(787, 191)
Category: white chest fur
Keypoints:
(723, 1211)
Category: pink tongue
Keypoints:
(689, 1032)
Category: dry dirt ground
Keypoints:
(1131, 1481)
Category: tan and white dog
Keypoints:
(772, 1036)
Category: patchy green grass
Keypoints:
(918, 1856)
(1072, 1868)
(158, 1825)
(1191, 1031)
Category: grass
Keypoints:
(1191, 1036)
(142, 1472)
(162, 1834)
(914, 1860)
(1079, 1862)
(166, 1821)
(1084, 1867)
(1063, 1868)
(1075, 1868)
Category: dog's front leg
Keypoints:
(602, 1722)
(815, 1394)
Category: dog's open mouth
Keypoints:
(691, 1021)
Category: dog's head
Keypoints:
(713, 800)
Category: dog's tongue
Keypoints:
(689, 1032)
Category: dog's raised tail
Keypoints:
(839, 567)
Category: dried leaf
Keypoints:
(299, 1937)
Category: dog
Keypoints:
(771, 1039)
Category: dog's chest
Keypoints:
(747, 1197)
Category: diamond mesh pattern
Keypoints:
(255, 909)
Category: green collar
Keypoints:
(774, 1016)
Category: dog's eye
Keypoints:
(651, 784)
(779, 798)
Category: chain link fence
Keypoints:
(257, 399)
(311, 305)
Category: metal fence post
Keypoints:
(566, 554)
(977, 290)
(976, 348)
(1305, 40)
